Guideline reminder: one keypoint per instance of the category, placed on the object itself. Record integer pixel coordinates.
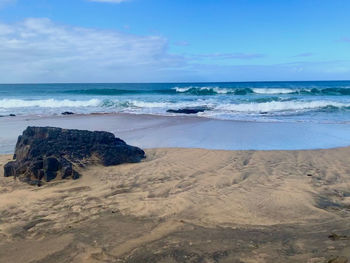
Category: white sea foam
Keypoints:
(213, 89)
(275, 106)
(221, 90)
(145, 104)
(182, 89)
(48, 103)
(272, 106)
(167, 105)
(272, 91)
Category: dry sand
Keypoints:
(185, 205)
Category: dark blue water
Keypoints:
(323, 101)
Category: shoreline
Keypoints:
(148, 115)
(150, 131)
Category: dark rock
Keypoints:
(47, 153)
(67, 171)
(11, 115)
(40, 174)
(67, 113)
(38, 165)
(50, 175)
(51, 164)
(75, 175)
(10, 169)
(193, 110)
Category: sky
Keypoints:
(44, 41)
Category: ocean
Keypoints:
(312, 101)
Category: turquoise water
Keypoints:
(321, 102)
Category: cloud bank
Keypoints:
(40, 50)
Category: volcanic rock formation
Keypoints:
(47, 153)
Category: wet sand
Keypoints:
(185, 205)
(150, 131)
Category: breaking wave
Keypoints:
(269, 105)
(273, 91)
(262, 91)
(48, 103)
(278, 106)
(212, 90)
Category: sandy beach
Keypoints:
(185, 205)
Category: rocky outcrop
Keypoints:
(48, 153)
(192, 110)
(67, 113)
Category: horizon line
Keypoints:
(181, 82)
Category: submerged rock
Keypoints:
(67, 113)
(47, 153)
(10, 115)
(193, 110)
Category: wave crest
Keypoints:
(272, 91)
(262, 91)
(213, 90)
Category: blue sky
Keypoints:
(173, 40)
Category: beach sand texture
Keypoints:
(185, 205)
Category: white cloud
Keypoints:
(40, 50)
